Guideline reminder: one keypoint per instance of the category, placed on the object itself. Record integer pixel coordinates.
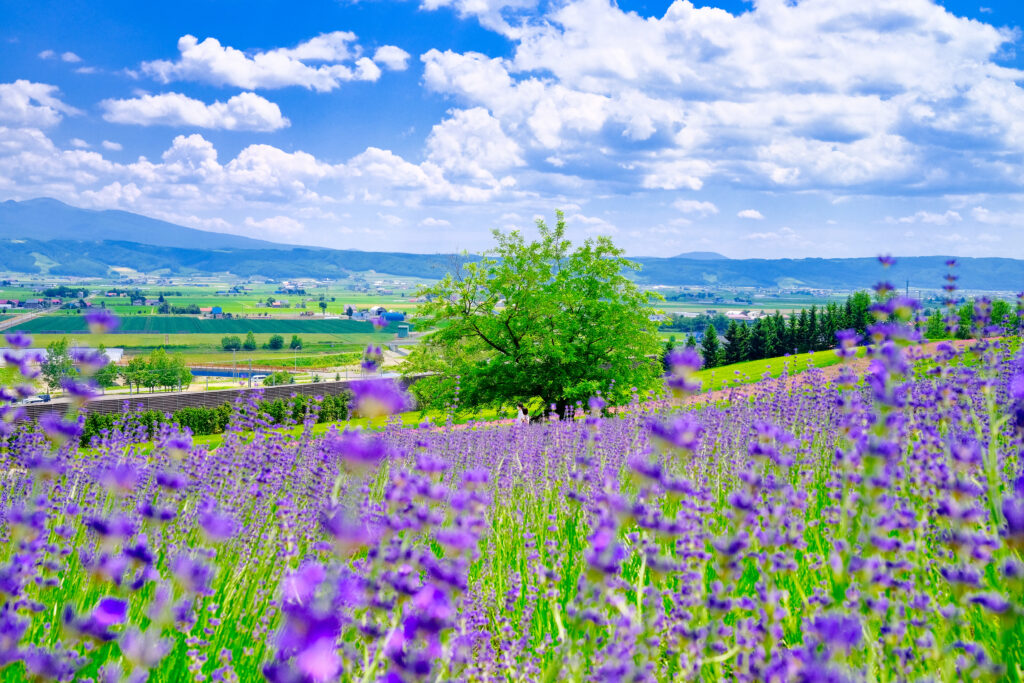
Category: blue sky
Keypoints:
(771, 128)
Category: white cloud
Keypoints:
(817, 95)
(695, 206)
(70, 57)
(47, 54)
(32, 104)
(276, 225)
(471, 144)
(431, 222)
(929, 218)
(390, 219)
(245, 111)
(753, 214)
(392, 57)
(79, 143)
(112, 146)
(321, 63)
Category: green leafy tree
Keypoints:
(691, 341)
(276, 342)
(278, 378)
(936, 327)
(107, 376)
(710, 348)
(58, 364)
(231, 343)
(323, 306)
(296, 342)
(538, 319)
(135, 373)
(250, 342)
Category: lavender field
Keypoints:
(866, 528)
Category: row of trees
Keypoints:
(235, 343)
(158, 369)
(815, 329)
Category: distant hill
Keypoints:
(49, 219)
(703, 256)
(48, 236)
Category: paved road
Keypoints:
(24, 318)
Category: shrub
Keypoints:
(276, 342)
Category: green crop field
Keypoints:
(206, 347)
(182, 324)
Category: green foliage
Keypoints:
(250, 342)
(276, 342)
(278, 378)
(710, 350)
(296, 342)
(183, 324)
(201, 420)
(935, 328)
(540, 319)
(159, 369)
(232, 343)
(107, 376)
(58, 364)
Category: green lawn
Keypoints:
(206, 347)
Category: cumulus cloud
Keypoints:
(70, 57)
(47, 54)
(32, 104)
(820, 95)
(279, 226)
(245, 111)
(431, 222)
(321, 63)
(929, 218)
(392, 57)
(112, 146)
(753, 214)
(694, 206)
(79, 143)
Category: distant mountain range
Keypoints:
(48, 219)
(47, 236)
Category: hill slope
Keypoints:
(49, 219)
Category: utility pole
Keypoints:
(234, 363)
(250, 373)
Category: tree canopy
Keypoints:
(538, 319)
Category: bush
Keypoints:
(231, 343)
(202, 421)
(250, 342)
(278, 378)
(296, 342)
(276, 342)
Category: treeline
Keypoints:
(64, 292)
(202, 421)
(168, 309)
(158, 369)
(814, 329)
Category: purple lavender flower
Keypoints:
(682, 432)
(373, 358)
(377, 397)
(838, 630)
(218, 526)
(88, 361)
(79, 392)
(18, 340)
(59, 430)
(101, 321)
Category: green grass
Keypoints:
(183, 324)
(206, 347)
(752, 371)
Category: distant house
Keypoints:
(138, 302)
(206, 310)
(217, 311)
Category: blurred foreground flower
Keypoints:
(373, 398)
